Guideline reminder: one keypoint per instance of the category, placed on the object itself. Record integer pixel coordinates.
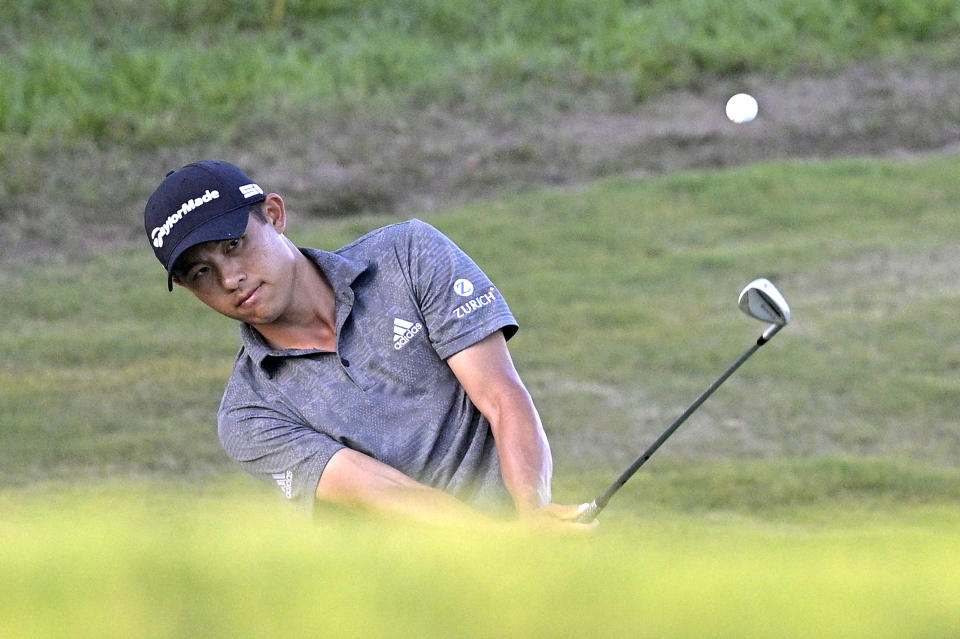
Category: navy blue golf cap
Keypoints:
(202, 202)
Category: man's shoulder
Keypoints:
(389, 236)
(245, 373)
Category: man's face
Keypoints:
(249, 278)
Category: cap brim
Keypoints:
(224, 227)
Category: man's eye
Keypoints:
(198, 272)
(234, 243)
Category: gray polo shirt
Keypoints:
(407, 298)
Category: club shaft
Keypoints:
(601, 501)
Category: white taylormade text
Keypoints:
(161, 232)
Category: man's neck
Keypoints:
(311, 320)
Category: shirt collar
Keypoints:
(340, 271)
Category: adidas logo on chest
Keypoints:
(404, 331)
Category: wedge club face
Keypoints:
(761, 300)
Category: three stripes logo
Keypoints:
(403, 332)
(249, 190)
(285, 482)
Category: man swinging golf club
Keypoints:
(376, 375)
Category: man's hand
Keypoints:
(561, 517)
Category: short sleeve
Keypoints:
(459, 303)
(273, 445)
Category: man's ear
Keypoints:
(275, 212)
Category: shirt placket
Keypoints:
(345, 301)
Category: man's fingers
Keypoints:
(563, 515)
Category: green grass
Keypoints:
(168, 72)
(815, 494)
(99, 98)
(132, 561)
(625, 292)
(629, 291)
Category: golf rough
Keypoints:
(741, 108)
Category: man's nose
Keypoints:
(232, 276)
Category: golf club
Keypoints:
(759, 299)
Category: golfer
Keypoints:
(376, 375)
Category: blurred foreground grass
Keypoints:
(150, 560)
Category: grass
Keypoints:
(126, 90)
(815, 493)
(116, 71)
(625, 292)
(632, 302)
(129, 561)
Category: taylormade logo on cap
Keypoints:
(160, 232)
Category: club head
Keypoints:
(761, 299)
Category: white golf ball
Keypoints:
(742, 108)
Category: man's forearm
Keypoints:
(358, 480)
(525, 459)
(487, 373)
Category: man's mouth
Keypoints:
(250, 298)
